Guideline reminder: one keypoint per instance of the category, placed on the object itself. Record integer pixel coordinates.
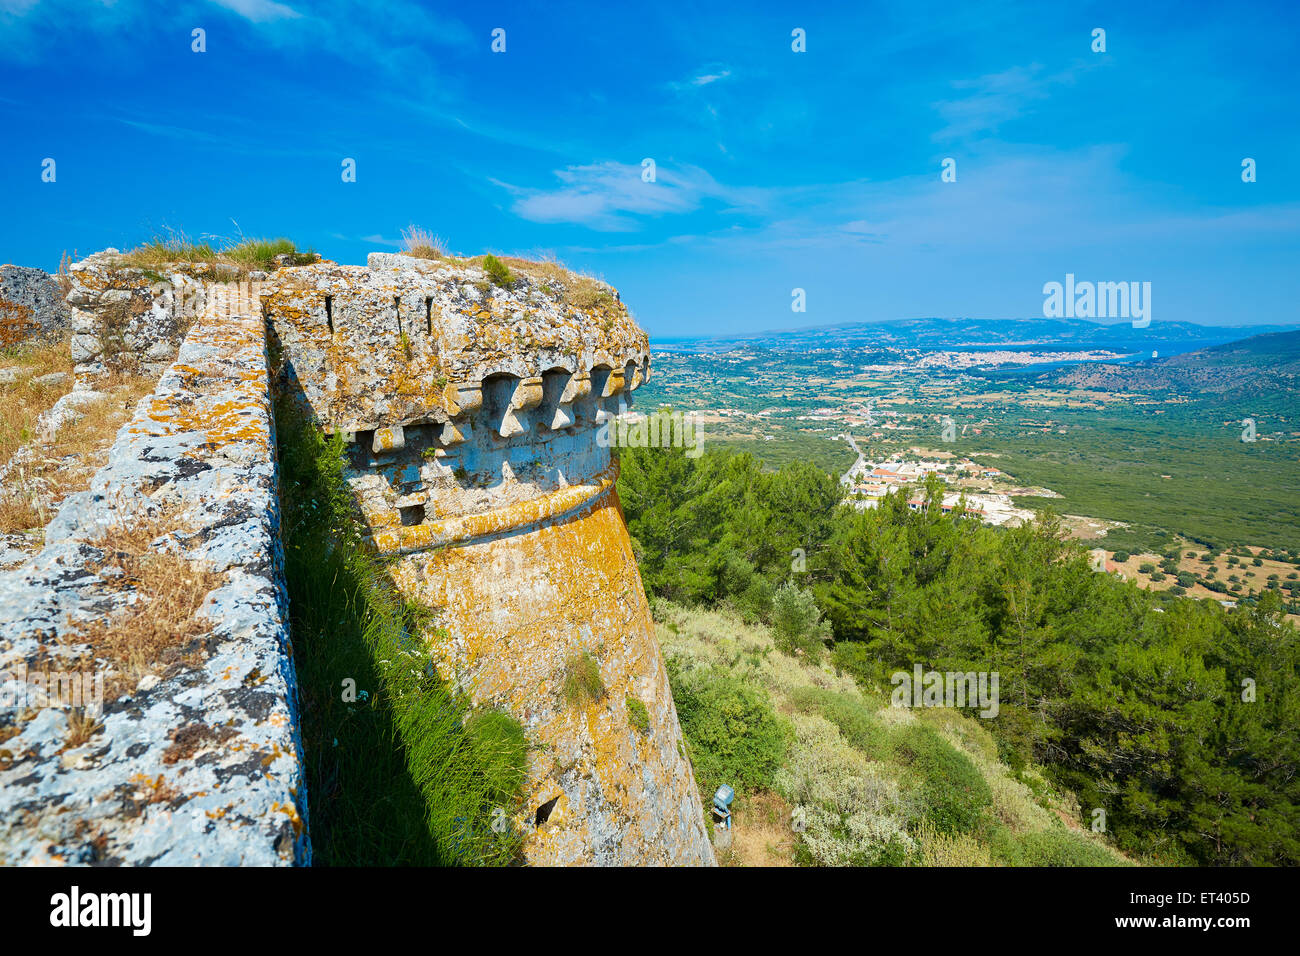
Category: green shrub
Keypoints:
(1054, 847)
(498, 272)
(754, 603)
(582, 681)
(1121, 556)
(855, 719)
(952, 789)
(732, 730)
(851, 808)
(796, 622)
(637, 715)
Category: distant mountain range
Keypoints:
(1259, 362)
(1166, 338)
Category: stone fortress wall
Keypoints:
(199, 760)
(472, 412)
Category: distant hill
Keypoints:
(1257, 363)
(936, 333)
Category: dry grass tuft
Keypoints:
(423, 244)
(21, 509)
(81, 727)
(576, 289)
(22, 401)
(66, 463)
(64, 276)
(234, 260)
(150, 634)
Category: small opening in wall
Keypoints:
(397, 307)
(544, 811)
(329, 312)
(413, 514)
(428, 314)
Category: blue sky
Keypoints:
(775, 170)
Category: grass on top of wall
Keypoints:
(399, 770)
(231, 260)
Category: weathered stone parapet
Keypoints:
(460, 398)
(128, 316)
(474, 413)
(200, 760)
(433, 342)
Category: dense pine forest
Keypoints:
(1177, 718)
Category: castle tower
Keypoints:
(474, 407)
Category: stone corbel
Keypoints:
(454, 434)
(527, 394)
(462, 398)
(561, 392)
(392, 438)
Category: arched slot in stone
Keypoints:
(634, 373)
(544, 811)
(428, 314)
(631, 380)
(498, 390)
(556, 411)
(329, 313)
(595, 410)
(358, 448)
(397, 309)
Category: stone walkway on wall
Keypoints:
(197, 759)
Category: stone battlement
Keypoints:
(435, 342)
(469, 406)
(473, 408)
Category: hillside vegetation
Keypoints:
(828, 774)
(1175, 717)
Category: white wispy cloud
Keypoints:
(987, 102)
(1003, 200)
(259, 11)
(705, 77)
(611, 196)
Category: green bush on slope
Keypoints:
(733, 734)
(953, 792)
(867, 784)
